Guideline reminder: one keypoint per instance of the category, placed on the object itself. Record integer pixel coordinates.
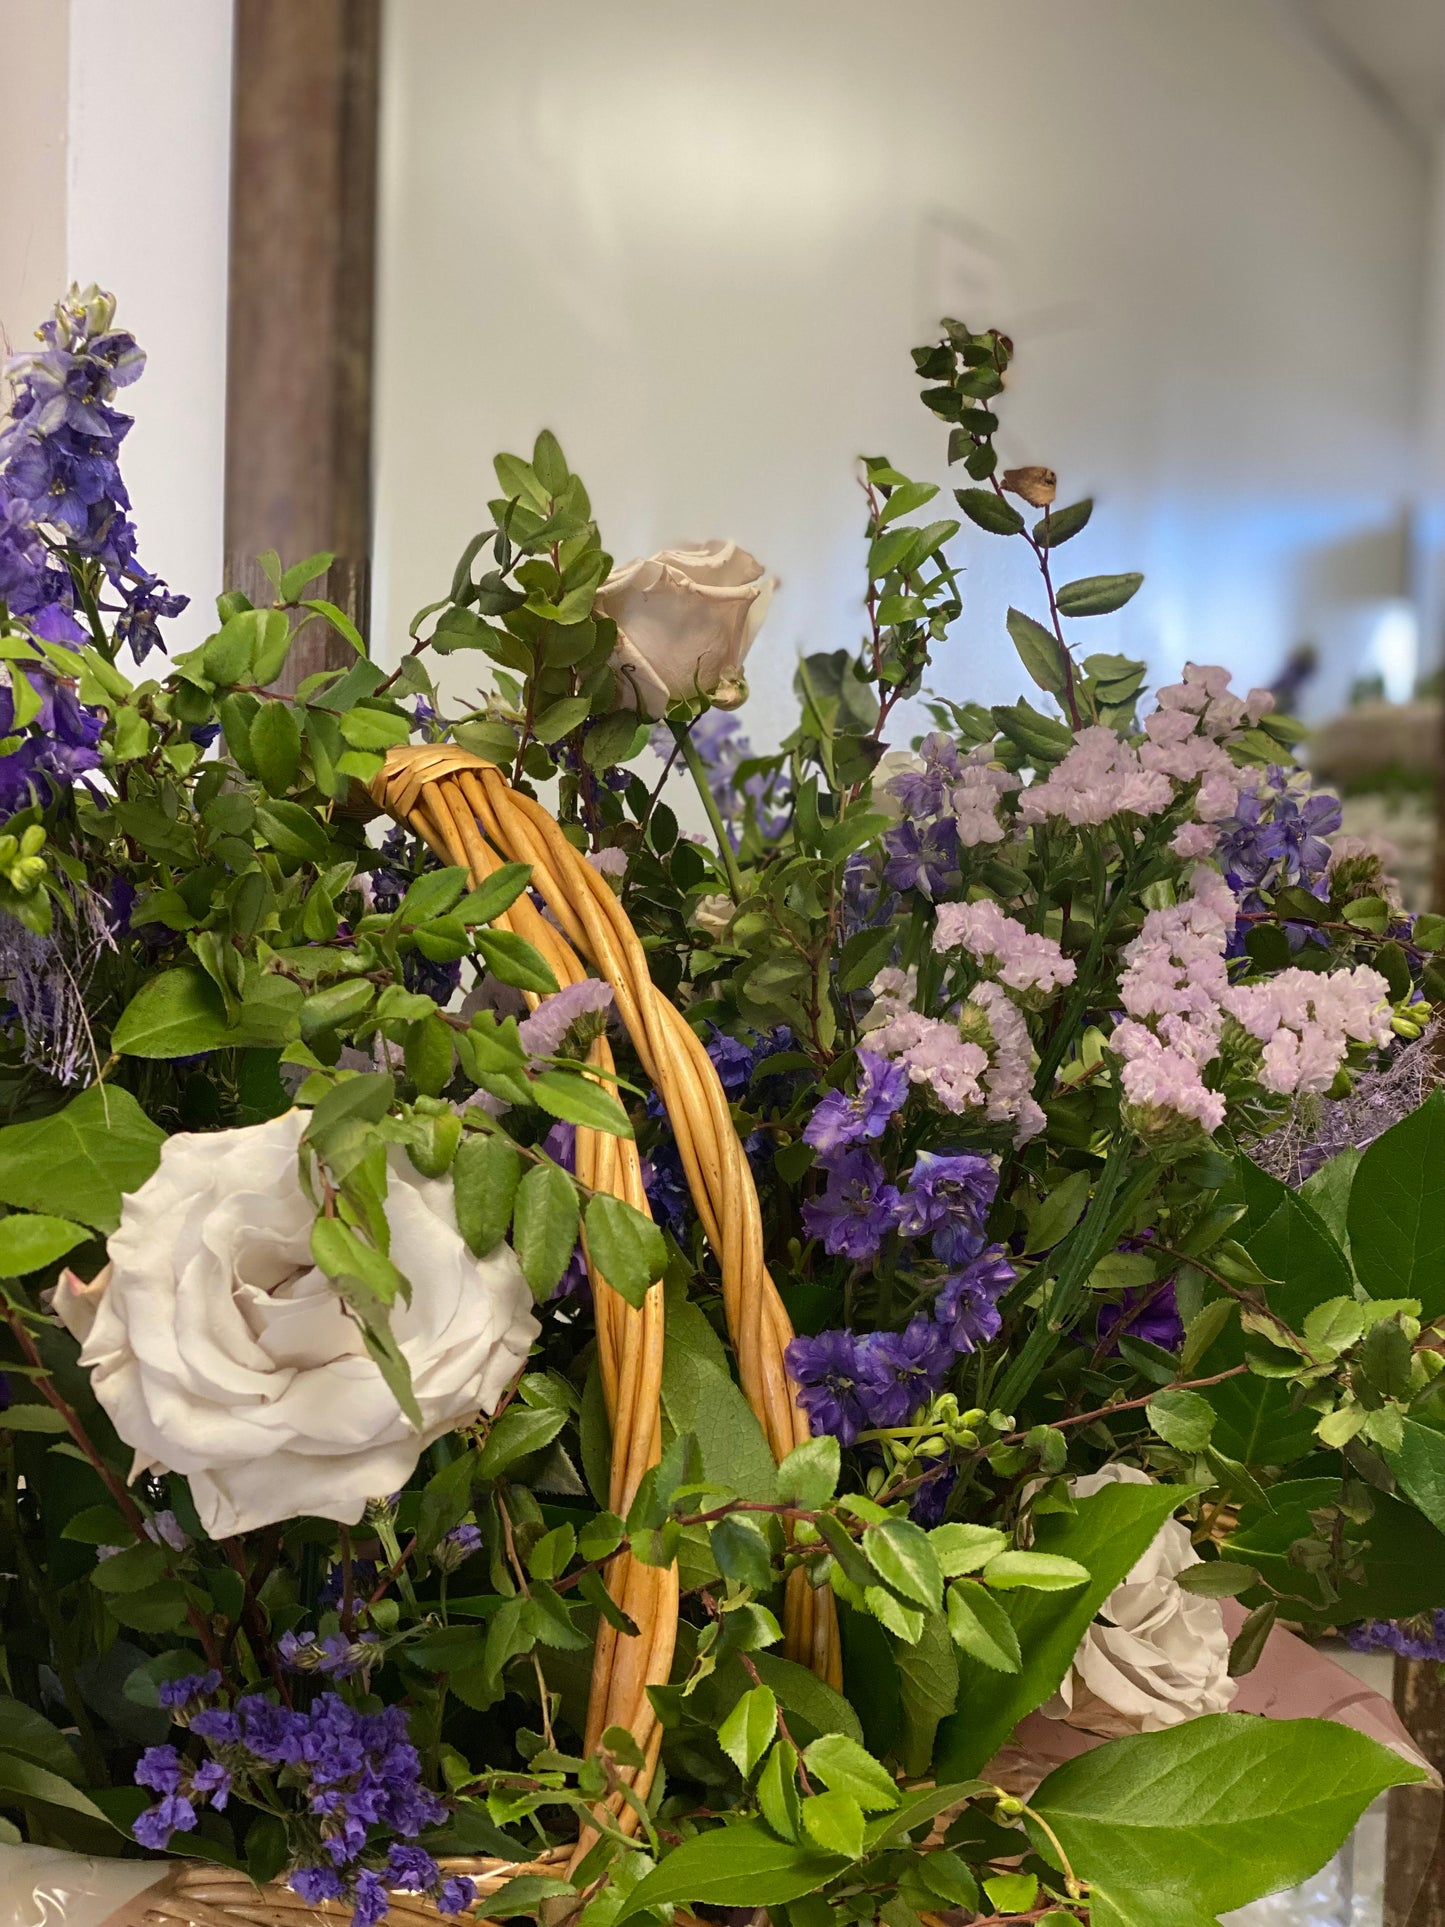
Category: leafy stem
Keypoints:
(697, 769)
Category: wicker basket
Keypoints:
(468, 815)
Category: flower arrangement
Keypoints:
(1039, 1391)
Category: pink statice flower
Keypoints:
(1187, 737)
(1306, 1021)
(975, 798)
(1023, 959)
(1100, 777)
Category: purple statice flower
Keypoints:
(1144, 1312)
(412, 1870)
(159, 1768)
(1422, 1637)
(545, 1031)
(457, 1895)
(922, 857)
(826, 1370)
(316, 1883)
(213, 1781)
(335, 1655)
(842, 1119)
(858, 1208)
(154, 1827)
(217, 1725)
(900, 1371)
(175, 1694)
(464, 1540)
(369, 1900)
(948, 1199)
(966, 1309)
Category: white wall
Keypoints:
(123, 154)
(699, 243)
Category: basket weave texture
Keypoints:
(468, 815)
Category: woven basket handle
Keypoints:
(470, 816)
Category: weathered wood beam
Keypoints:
(302, 301)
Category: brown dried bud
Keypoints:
(1038, 486)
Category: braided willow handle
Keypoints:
(470, 816)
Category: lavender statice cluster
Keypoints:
(60, 479)
(1422, 1637)
(356, 1774)
(43, 980)
(850, 1382)
(719, 740)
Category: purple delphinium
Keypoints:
(718, 738)
(1144, 1312)
(924, 793)
(921, 857)
(47, 764)
(665, 1182)
(948, 1198)
(899, 1371)
(827, 1370)
(930, 1500)
(966, 1309)
(59, 454)
(858, 1208)
(844, 1118)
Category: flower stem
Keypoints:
(698, 770)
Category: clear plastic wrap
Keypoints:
(43, 1887)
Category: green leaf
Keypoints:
(30, 1244)
(1289, 1241)
(699, 1396)
(747, 1732)
(292, 831)
(444, 1500)
(1097, 595)
(809, 1475)
(276, 746)
(835, 1822)
(517, 1434)
(580, 1100)
(989, 511)
(1038, 1571)
(30, 1734)
(1419, 1466)
(626, 1247)
(845, 1767)
(25, 1783)
(173, 1015)
(778, 1792)
(965, 1548)
(131, 1570)
(980, 1627)
(1107, 1533)
(32, 1418)
(544, 1227)
(928, 1681)
(1397, 1210)
(1207, 1816)
(1012, 1893)
(807, 1698)
(338, 619)
(485, 1174)
(1182, 1419)
(559, 719)
(498, 893)
(745, 1865)
(82, 1158)
(1404, 1566)
(901, 1555)
(512, 960)
(1039, 651)
(1060, 524)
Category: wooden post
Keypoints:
(302, 301)
(1415, 1848)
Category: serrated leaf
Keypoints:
(31, 1243)
(979, 1626)
(1182, 1419)
(1038, 1571)
(901, 1555)
(808, 1476)
(625, 1246)
(835, 1822)
(1097, 595)
(545, 1224)
(485, 1175)
(747, 1732)
(845, 1767)
(965, 1548)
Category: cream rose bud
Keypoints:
(686, 619)
(220, 1351)
(1156, 1655)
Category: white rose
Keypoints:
(686, 619)
(1156, 1655)
(712, 914)
(221, 1352)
